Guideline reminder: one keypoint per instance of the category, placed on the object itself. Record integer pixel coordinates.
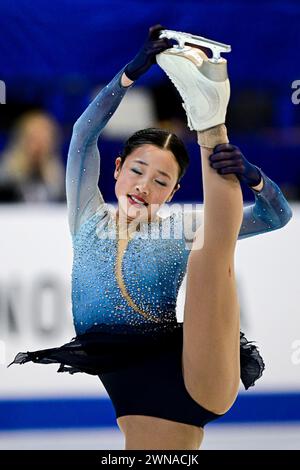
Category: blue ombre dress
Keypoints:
(124, 302)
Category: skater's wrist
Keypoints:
(213, 136)
(259, 186)
(125, 81)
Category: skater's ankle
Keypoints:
(213, 136)
(125, 81)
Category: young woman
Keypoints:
(166, 379)
(32, 162)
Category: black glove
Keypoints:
(228, 159)
(146, 55)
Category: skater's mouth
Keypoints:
(137, 200)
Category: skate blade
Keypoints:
(182, 38)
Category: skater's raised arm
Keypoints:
(83, 166)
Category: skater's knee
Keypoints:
(215, 394)
(216, 401)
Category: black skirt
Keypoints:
(141, 368)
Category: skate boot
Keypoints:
(201, 81)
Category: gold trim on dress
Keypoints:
(121, 248)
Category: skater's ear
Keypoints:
(173, 192)
(118, 166)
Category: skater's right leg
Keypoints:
(211, 347)
(211, 343)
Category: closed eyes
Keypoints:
(139, 173)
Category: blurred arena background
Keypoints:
(54, 58)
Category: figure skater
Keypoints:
(166, 379)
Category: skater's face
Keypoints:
(149, 173)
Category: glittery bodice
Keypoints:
(145, 290)
(139, 283)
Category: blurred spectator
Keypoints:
(31, 168)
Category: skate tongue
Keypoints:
(205, 50)
(196, 55)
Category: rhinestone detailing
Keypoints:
(122, 245)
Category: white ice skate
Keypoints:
(201, 81)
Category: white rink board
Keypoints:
(35, 301)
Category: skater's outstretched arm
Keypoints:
(270, 211)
